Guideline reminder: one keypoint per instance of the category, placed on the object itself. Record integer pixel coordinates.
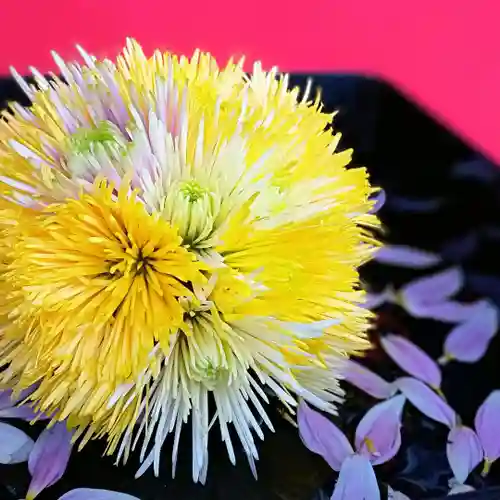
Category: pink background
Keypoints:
(444, 53)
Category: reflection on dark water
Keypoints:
(426, 470)
(437, 200)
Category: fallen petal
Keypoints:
(356, 480)
(404, 204)
(427, 401)
(413, 360)
(378, 434)
(487, 423)
(477, 169)
(322, 437)
(403, 256)
(459, 249)
(379, 199)
(15, 445)
(464, 452)
(8, 408)
(49, 458)
(460, 488)
(92, 494)
(5, 399)
(396, 495)
(469, 341)
(374, 300)
(369, 382)
(24, 412)
(433, 288)
(448, 311)
(25, 393)
(485, 286)
(492, 232)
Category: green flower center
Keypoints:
(192, 191)
(84, 140)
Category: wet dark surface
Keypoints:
(411, 156)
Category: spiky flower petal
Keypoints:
(174, 233)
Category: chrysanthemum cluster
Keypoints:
(173, 234)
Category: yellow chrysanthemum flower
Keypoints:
(174, 233)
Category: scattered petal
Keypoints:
(356, 480)
(427, 401)
(492, 232)
(433, 288)
(460, 488)
(374, 300)
(448, 311)
(459, 249)
(369, 382)
(464, 452)
(412, 359)
(378, 434)
(405, 204)
(469, 341)
(485, 285)
(380, 198)
(322, 437)
(49, 458)
(15, 445)
(92, 494)
(24, 412)
(5, 399)
(396, 495)
(403, 256)
(487, 423)
(477, 169)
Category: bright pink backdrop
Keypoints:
(444, 53)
